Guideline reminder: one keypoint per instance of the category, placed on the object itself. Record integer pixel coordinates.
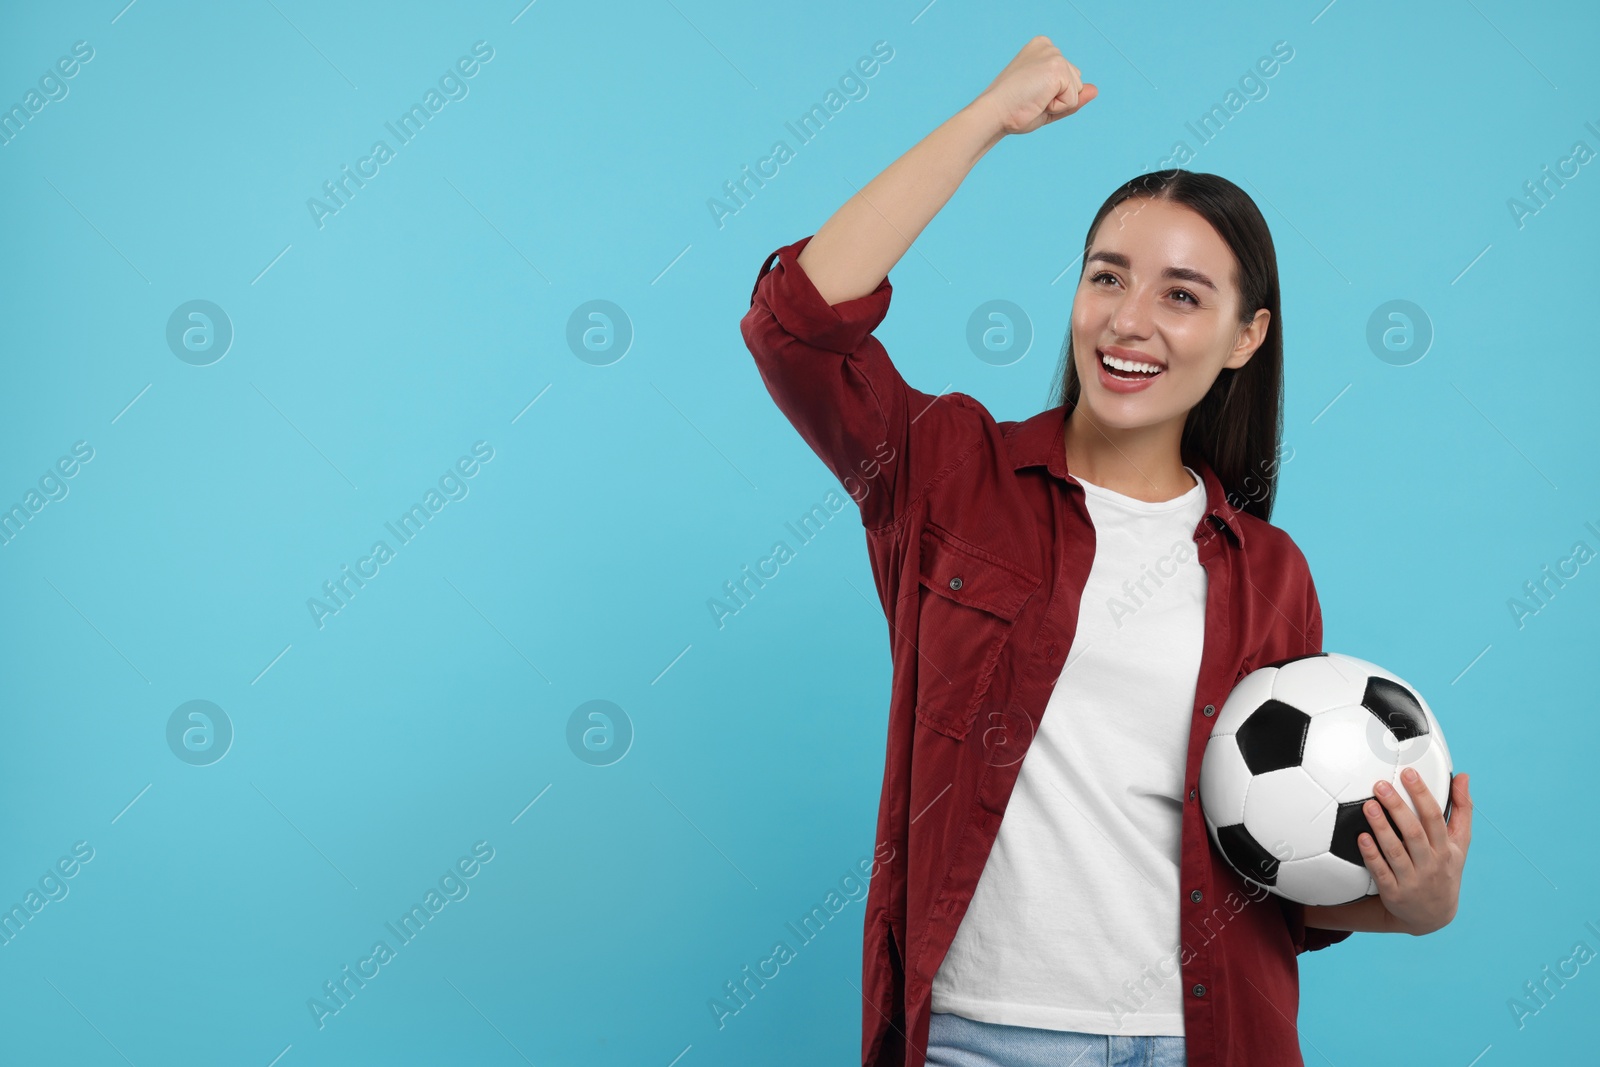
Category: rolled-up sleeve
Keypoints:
(1308, 938)
(835, 383)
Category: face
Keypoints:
(1157, 289)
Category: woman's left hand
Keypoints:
(1419, 878)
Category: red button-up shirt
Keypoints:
(980, 543)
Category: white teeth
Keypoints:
(1129, 365)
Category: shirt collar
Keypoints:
(1040, 441)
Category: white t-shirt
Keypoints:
(1074, 922)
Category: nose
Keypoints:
(1132, 315)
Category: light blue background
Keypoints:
(429, 313)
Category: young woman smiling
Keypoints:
(1082, 588)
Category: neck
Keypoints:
(1144, 462)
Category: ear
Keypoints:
(1250, 337)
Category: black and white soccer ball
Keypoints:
(1293, 757)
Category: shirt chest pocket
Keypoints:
(968, 606)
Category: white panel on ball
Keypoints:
(1324, 881)
(1376, 671)
(1223, 781)
(1318, 683)
(1298, 811)
(1345, 753)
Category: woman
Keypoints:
(1083, 588)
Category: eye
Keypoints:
(1192, 299)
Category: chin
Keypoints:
(1117, 411)
(1109, 423)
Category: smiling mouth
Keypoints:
(1128, 370)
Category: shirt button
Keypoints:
(955, 583)
(1051, 651)
(1191, 794)
(1195, 895)
(1199, 990)
(1210, 709)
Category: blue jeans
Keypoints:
(957, 1041)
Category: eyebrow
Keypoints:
(1117, 259)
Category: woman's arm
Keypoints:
(811, 317)
(856, 247)
(1367, 915)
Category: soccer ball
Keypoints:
(1293, 757)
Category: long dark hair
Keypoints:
(1236, 427)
